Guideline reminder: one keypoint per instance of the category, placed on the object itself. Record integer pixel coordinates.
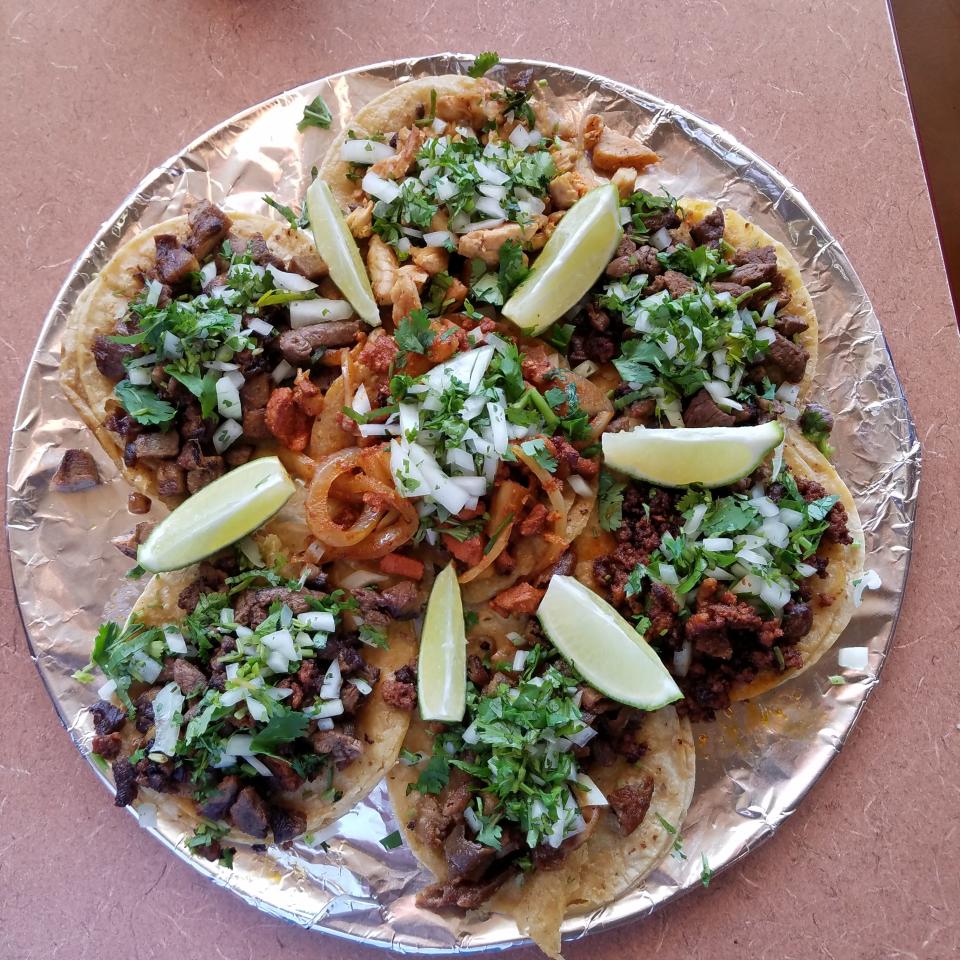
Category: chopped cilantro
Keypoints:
(816, 424)
(413, 333)
(610, 501)
(837, 681)
(537, 450)
(315, 114)
(706, 874)
(296, 220)
(391, 841)
(143, 404)
(282, 728)
(483, 63)
(374, 636)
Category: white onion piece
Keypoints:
(592, 795)
(483, 224)
(788, 392)
(718, 574)
(332, 682)
(805, 570)
(147, 815)
(377, 186)
(472, 820)
(306, 313)
(582, 737)
(228, 400)
(520, 659)
(318, 620)
(519, 137)
(586, 369)
(776, 532)
(147, 360)
(438, 125)
(854, 658)
(682, 659)
(166, 705)
(668, 574)
(625, 215)
(282, 371)
(579, 486)
(290, 281)
(155, 288)
(775, 595)
(365, 152)
(362, 686)
(869, 580)
(174, 639)
(764, 506)
(362, 578)
(438, 238)
(139, 376)
(490, 173)
(107, 690)
(331, 708)
(692, 525)
(661, 239)
(361, 400)
(445, 188)
(492, 190)
(403, 245)
(766, 335)
(717, 544)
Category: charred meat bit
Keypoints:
(797, 621)
(109, 357)
(286, 824)
(156, 446)
(190, 679)
(466, 859)
(174, 263)
(703, 411)
(631, 802)
(107, 745)
(256, 391)
(107, 718)
(171, 480)
(286, 777)
(400, 690)
(298, 346)
(208, 226)
(138, 504)
(340, 747)
(788, 325)
(125, 777)
(249, 814)
(77, 472)
(710, 229)
(787, 358)
(128, 543)
(221, 799)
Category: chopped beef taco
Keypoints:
(458, 182)
(253, 702)
(704, 318)
(206, 340)
(739, 589)
(548, 798)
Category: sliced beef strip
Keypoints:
(340, 747)
(249, 814)
(466, 859)
(174, 263)
(189, 678)
(208, 226)
(109, 357)
(675, 283)
(287, 824)
(789, 326)
(221, 799)
(703, 411)
(77, 472)
(286, 777)
(631, 802)
(710, 229)
(462, 894)
(297, 346)
(125, 777)
(107, 718)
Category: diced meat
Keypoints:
(397, 166)
(468, 552)
(400, 601)
(631, 802)
(521, 598)
(286, 421)
(189, 678)
(398, 565)
(223, 797)
(837, 530)
(341, 748)
(237, 455)
(255, 423)
(249, 814)
(283, 773)
(109, 357)
(129, 542)
(710, 229)
(174, 263)
(754, 266)
(465, 858)
(208, 226)
(125, 777)
(797, 621)
(309, 265)
(702, 411)
(256, 391)
(143, 707)
(566, 190)
(485, 244)
(632, 259)
(405, 295)
(360, 220)
(286, 824)
(107, 745)
(400, 690)
(788, 325)
(157, 446)
(138, 504)
(107, 718)
(211, 469)
(431, 260)
(477, 673)
(171, 479)
(257, 247)
(307, 395)
(382, 266)
(298, 346)
(462, 894)
(676, 284)
(614, 150)
(787, 358)
(625, 180)
(430, 825)
(77, 472)
(378, 353)
(535, 521)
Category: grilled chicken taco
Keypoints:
(704, 317)
(740, 588)
(205, 340)
(250, 699)
(454, 183)
(547, 798)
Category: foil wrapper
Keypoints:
(754, 764)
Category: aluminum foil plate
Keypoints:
(754, 764)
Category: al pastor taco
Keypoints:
(206, 340)
(547, 798)
(250, 699)
(740, 588)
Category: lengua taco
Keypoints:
(250, 699)
(206, 340)
(740, 588)
(704, 318)
(548, 798)
(453, 183)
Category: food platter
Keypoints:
(754, 764)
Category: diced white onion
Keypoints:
(306, 313)
(228, 400)
(281, 641)
(519, 137)
(403, 245)
(365, 152)
(444, 189)
(166, 705)
(776, 532)
(107, 690)
(582, 737)
(718, 574)
(331, 708)
(717, 544)
(579, 486)
(290, 281)
(592, 795)
(282, 371)
(472, 820)
(519, 659)
(692, 525)
(324, 723)
(147, 667)
(764, 506)
(775, 595)
(318, 620)
(139, 376)
(668, 575)
(788, 392)
(766, 334)
(155, 288)
(438, 238)
(259, 766)
(483, 224)
(172, 346)
(361, 401)
(661, 239)
(438, 125)
(470, 735)
(492, 190)
(376, 186)
(490, 173)
(625, 215)
(362, 685)
(805, 570)
(586, 369)
(174, 639)
(332, 681)
(226, 434)
(869, 580)
(682, 659)
(854, 658)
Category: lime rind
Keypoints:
(442, 663)
(222, 513)
(603, 647)
(709, 456)
(336, 245)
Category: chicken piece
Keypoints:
(625, 180)
(593, 128)
(472, 109)
(360, 221)
(456, 292)
(432, 260)
(406, 291)
(567, 189)
(307, 395)
(397, 166)
(486, 244)
(448, 339)
(615, 151)
(286, 421)
(440, 220)
(382, 266)
(564, 158)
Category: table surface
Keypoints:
(95, 95)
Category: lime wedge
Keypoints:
(216, 516)
(568, 266)
(442, 667)
(608, 653)
(712, 456)
(336, 245)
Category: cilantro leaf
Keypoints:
(435, 775)
(374, 636)
(728, 516)
(281, 728)
(413, 333)
(315, 114)
(143, 404)
(513, 271)
(610, 501)
(288, 213)
(706, 874)
(391, 841)
(537, 450)
(482, 63)
(703, 262)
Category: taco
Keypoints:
(205, 340)
(740, 588)
(548, 798)
(250, 700)
(704, 317)
(452, 183)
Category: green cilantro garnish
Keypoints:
(677, 852)
(470, 620)
(837, 681)
(282, 728)
(482, 63)
(391, 841)
(413, 333)
(143, 404)
(537, 450)
(643, 205)
(816, 424)
(610, 501)
(296, 220)
(558, 336)
(706, 874)
(315, 114)
(703, 262)
(374, 636)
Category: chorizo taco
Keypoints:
(206, 340)
(740, 588)
(548, 798)
(250, 700)
(704, 317)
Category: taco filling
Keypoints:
(726, 584)
(254, 705)
(226, 348)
